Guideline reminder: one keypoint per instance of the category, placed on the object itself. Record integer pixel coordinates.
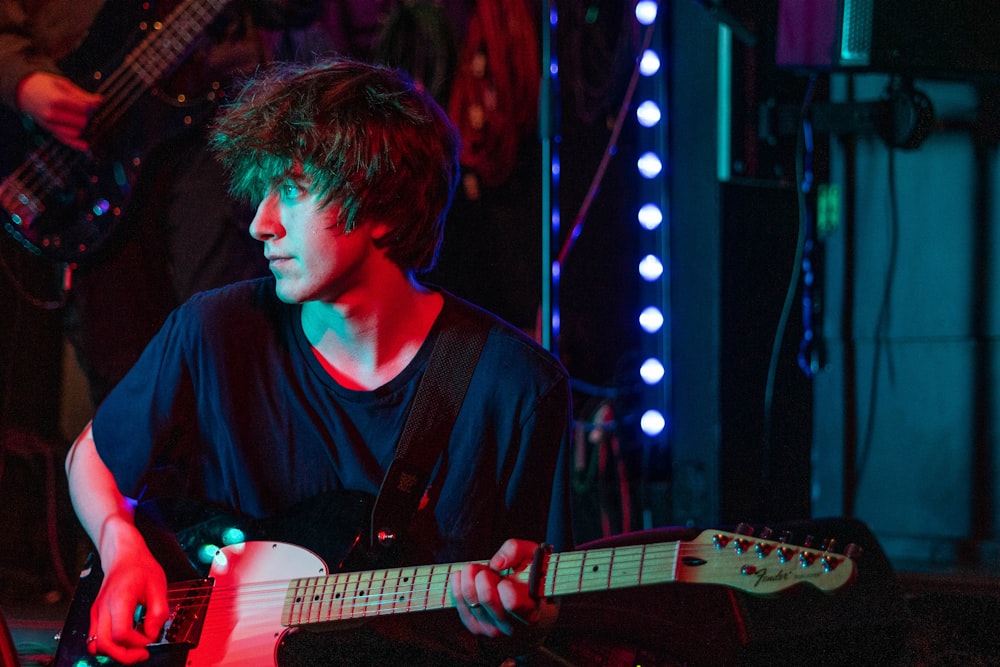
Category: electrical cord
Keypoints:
(881, 325)
(803, 182)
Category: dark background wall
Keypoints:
(896, 427)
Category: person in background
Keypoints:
(181, 232)
(260, 396)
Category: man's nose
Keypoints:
(266, 222)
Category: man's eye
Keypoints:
(290, 190)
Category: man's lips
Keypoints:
(277, 261)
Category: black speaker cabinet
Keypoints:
(861, 623)
(930, 38)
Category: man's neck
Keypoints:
(365, 344)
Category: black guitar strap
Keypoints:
(427, 428)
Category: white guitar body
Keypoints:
(243, 622)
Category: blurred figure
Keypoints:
(194, 236)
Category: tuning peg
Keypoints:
(829, 545)
(829, 562)
(786, 536)
(853, 551)
(766, 533)
(809, 541)
(785, 554)
(744, 529)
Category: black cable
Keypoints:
(803, 183)
(881, 325)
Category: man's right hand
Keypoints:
(58, 105)
(133, 580)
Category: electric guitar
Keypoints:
(259, 595)
(63, 204)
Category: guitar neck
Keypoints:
(361, 595)
(160, 52)
(756, 566)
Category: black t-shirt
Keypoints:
(229, 405)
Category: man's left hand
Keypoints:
(491, 604)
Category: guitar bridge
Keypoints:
(21, 207)
(188, 602)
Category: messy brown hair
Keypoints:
(366, 139)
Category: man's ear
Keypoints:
(380, 231)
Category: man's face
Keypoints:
(310, 255)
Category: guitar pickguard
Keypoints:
(208, 554)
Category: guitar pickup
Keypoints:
(188, 603)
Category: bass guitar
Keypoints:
(259, 594)
(63, 204)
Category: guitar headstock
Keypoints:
(763, 566)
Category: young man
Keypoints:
(265, 394)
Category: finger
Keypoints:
(156, 607)
(66, 134)
(474, 616)
(69, 90)
(122, 654)
(67, 119)
(517, 600)
(153, 619)
(464, 582)
(491, 613)
(514, 554)
(104, 639)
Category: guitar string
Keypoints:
(398, 590)
(149, 63)
(362, 605)
(359, 595)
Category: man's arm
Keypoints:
(132, 577)
(488, 603)
(18, 53)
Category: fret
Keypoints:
(357, 590)
(312, 599)
(565, 573)
(325, 591)
(378, 604)
(610, 568)
(356, 595)
(339, 593)
(405, 589)
(422, 577)
(292, 610)
(659, 563)
(438, 595)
